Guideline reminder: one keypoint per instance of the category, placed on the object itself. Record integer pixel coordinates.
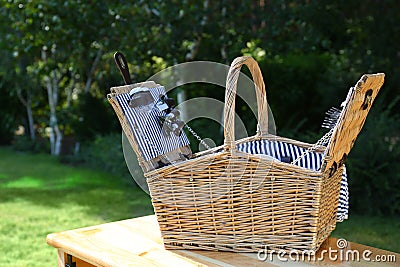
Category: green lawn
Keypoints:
(379, 232)
(38, 196)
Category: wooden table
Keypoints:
(137, 242)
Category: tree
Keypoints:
(15, 66)
(48, 39)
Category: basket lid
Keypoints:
(356, 107)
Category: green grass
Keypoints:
(38, 196)
(379, 232)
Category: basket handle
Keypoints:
(230, 95)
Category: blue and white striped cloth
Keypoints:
(288, 152)
(343, 207)
(149, 136)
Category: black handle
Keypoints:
(70, 263)
(123, 67)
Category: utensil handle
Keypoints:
(230, 95)
(123, 67)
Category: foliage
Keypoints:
(57, 59)
(24, 144)
(103, 152)
(7, 121)
(295, 86)
(92, 116)
(374, 168)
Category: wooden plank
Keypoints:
(135, 242)
(60, 258)
(339, 257)
(138, 242)
(225, 259)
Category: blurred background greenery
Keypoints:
(57, 67)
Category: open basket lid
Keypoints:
(143, 129)
(356, 107)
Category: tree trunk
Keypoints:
(59, 137)
(53, 118)
(77, 148)
(30, 119)
(27, 102)
(70, 90)
(28, 106)
(53, 113)
(92, 70)
(56, 135)
(52, 95)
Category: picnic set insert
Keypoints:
(228, 199)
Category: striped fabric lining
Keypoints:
(343, 207)
(280, 150)
(312, 160)
(149, 136)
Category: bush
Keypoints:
(373, 164)
(7, 128)
(104, 153)
(97, 118)
(10, 116)
(26, 144)
(296, 87)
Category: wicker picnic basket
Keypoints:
(228, 200)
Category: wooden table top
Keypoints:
(138, 242)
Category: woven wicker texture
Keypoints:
(228, 200)
(234, 201)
